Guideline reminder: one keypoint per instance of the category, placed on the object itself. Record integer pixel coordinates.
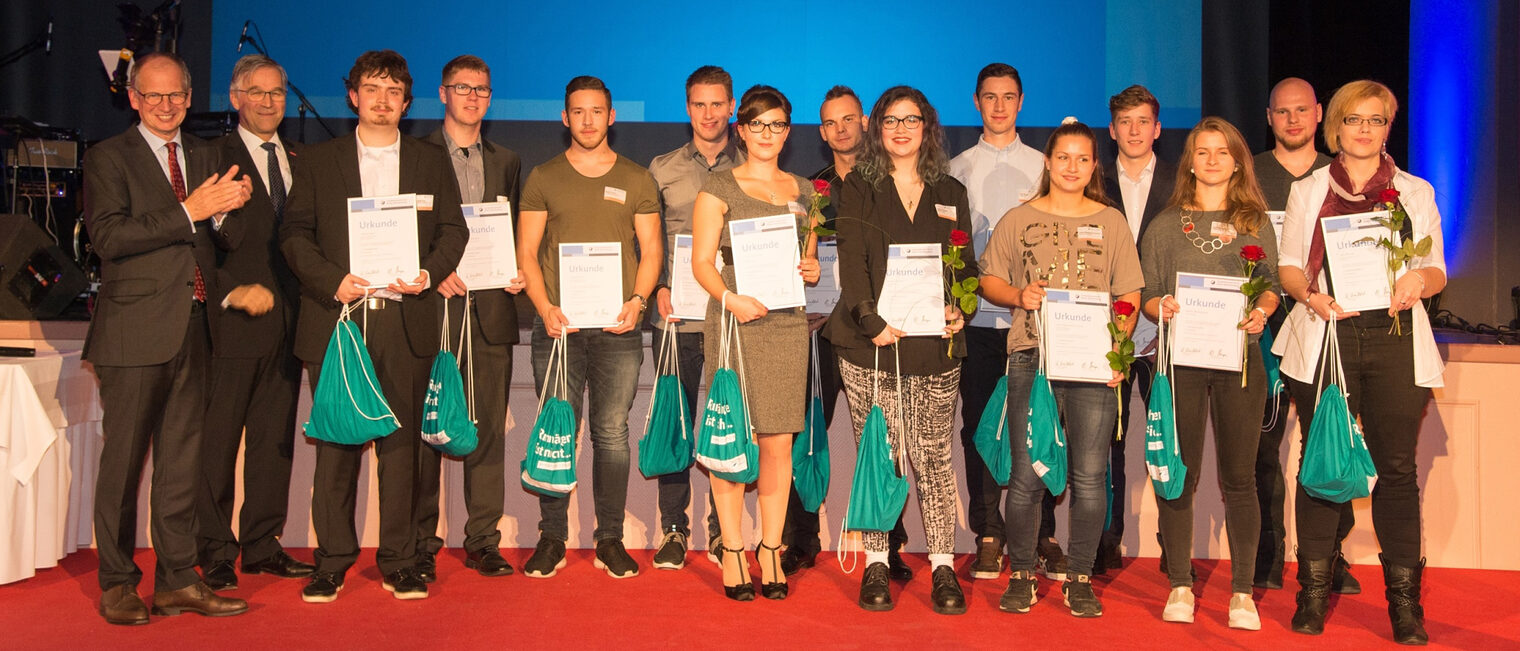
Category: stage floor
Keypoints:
(582, 607)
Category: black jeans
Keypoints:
(986, 361)
(675, 488)
(1380, 379)
(1139, 374)
(1200, 395)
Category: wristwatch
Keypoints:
(643, 304)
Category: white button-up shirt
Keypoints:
(997, 180)
(255, 146)
(1134, 192)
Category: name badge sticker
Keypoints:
(796, 208)
(619, 195)
(424, 202)
(1026, 195)
(502, 198)
(944, 211)
(1223, 231)
(1091, 233)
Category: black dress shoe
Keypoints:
(875, 588)
(280, 565)
(946, 595)
(1341, 581)
(488, 562)
(794, 560)
(427, 567)
(219, 575)
(897, 567)
(121, 605)
(196, 598)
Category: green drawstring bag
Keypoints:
(448, 421)
(1043, 435)
(810, 450)
(347, 406)
(1271, 363)
(549, 467)
(991, 438)
(666, 446)
(1337, 466)
(879, 491)
(726, 443)
(1163, 458)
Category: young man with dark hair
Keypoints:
(590, 194)
(679, 176)
(401, 321)
(485, 172)
(1000, 172)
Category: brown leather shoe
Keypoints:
(120, 605)
(196, 598)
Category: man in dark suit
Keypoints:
(401, 321)
(149, 340)
(485, 172)
(255, 376)
(1139, 186)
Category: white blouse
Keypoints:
(1303, 334)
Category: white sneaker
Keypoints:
(1243, 612)
(1179, 606)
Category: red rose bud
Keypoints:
(959, 237)
(1252, 253)
(821, 186)
(1389, 195)
(1124, 308)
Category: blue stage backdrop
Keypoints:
(1072, 54)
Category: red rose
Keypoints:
(821, 187)
(1252, 253)
(1124, 308)
(959, 237)
(1389, 195)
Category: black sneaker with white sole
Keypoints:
(671, 554)
(614, 559)
(1020, 595)
(1080, 597)
(322, 587)
(406, 583)
(547, 559)
(1052, 561)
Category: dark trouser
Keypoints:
(801, 530)
(607, 366)
(1088, 412)
(484, 468)
(1139, 374)
(253, 400)
(162, 404)
(1380, 378)
(986, 361)
(675, 488)
(1200, 395)
(403, 380)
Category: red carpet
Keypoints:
(582, 607)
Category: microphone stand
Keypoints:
(305, 105)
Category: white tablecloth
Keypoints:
(49, 440)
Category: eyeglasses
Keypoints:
(910, 121)
(466, 89)
(1357, 120)
(154, 99)
(259, 95)
(777, 127)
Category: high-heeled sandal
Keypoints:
(745, 591)
(779, 589)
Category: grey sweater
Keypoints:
(1165, 250)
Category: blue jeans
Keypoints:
(607, 366)
(1088, 413)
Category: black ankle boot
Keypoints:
(1313, 596)
(1404, 609)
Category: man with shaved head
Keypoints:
(1294, 115)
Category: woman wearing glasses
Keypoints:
(1216, 220)
(773, 343)
(902, 193)
(1389, 355)
(1067, 237)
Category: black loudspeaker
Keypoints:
(37, 281)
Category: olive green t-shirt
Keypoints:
(1094, 253)
(583, 209)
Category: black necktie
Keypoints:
(276, 182)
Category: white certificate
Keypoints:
(1358, 266)
(688, 300)
(382, 239)
(1205, 332)
(490, 258)
(765, 260)
(1277, 217)
(1076, 342)
(591, 283)
(822, 297)
(913, 294)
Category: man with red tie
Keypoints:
(148, 339)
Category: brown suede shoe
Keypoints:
(196, 598)
(120, 605)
